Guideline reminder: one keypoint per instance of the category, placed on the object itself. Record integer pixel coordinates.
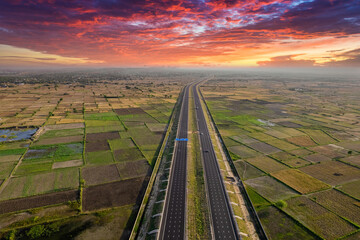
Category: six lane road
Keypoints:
(173, 221)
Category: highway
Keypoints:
(173, 219)
(222, 221)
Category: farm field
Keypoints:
(295, 145)
(86, 145)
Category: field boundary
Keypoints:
(144, 202)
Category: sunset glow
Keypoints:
(180, 33)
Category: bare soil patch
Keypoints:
(317, 158)
(100, 174)
(66, 164)
(134, 169)
(37, 201)
(97, 146)
(113, 194)
(93, 137)
(304, 141)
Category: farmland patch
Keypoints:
(263, 147)
(317, 218)
(351, 188)
(113, 194)
(130, 154)
(304, 141)
(339, 203)
(270, 188)
(300, 181)
(37, 201)
(139, 168)
(101, 157)
(67, 164)
(100, 174)
(279, 226)
(266, 164)
(246, 170)
(333, 172)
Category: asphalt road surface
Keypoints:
(173, 221)
(223, 223)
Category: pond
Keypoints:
(14, 135)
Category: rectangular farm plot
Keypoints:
(100, 126)
(7, 152)
(317, 218)
(279, 226)
(128, 111)
(59, 140)
(40, 183)
(300, 181)
(113, 194)
(67, 164)
(353, 160)
(105, 116)
(101, 157)
(331, 151)
(270, 188)
(339, 203)
(317, 158)
(351, 188)
(263, 147)
(303, 141)
(300, 152)
(6, 168)
(266, 164)
(38, 201)
(246, 170)
(121, 143)
(9, 158)
(30, 168)
(354, 146)
(156, 127)
(281, 144)
(129, 154)
(62, 133)
(134, 169)
(243, 151)
(332, 172)
(100, 174)
(319, 136)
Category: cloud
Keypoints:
(352, 59)
(286, 61)
(145, 32)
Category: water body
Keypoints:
(14, 135)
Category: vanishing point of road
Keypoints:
(173, 223)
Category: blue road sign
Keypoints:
(181, 139)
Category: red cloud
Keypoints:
(141, 31)
(286, 61)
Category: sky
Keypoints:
(161, 33)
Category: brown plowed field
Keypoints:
(37, 201)
(127, 111)
(113, 194)
(93, 137)
(100, 174)
(97, 146)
